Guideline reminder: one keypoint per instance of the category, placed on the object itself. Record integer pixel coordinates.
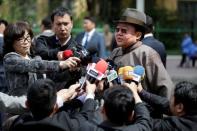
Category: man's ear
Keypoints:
(27, 104)
(138, 35)
(55, 108)
(179, 109)
(131, 117)
(103, 112)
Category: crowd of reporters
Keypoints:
(132, 81)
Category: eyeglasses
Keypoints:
(122, 30)
(23, 39)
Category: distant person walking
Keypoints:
(108, 35)
(193, 53)
(185, 47)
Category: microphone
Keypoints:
(111, 75)
(133, 74)
(120, 75)
(101, 66)
(139, 72)
(127, 71)
(95, 72)
(67, 54)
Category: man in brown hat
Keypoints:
(129, 31)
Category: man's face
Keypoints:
(2, 28)
(176, 109)
(62, 26)
(88, 25)
(172, 105)
(126, 35)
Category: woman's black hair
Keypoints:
(14, 32)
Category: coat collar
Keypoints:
(132, 47)
(108, 125)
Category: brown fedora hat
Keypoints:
(132, 16)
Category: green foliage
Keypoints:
(20, 10)
(168, 27)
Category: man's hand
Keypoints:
(60, 56)
(68, 94)
(90, 88)
(133, 87)
(72, 91)
(63, 94)
(70, 63)
(139, 88)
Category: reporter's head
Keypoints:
(119, 104)
(184, 100)
(62, 23)
(41, 98)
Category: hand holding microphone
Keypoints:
(135, 74)
(70, 63)
(133, 87)
(63, 55)
(79, 52)
(120, 75)
(90, 88)
(95, 72)
(134, 77)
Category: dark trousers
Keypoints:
(193, 61)
(183, 60)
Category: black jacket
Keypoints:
(170, 123)
(157, 46)
(48, 47)
(141, 123)
(61, 121)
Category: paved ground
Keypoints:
(178, 74)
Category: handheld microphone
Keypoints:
(95, 72)
(139, 72)
(101, 66)
(127, 73)
(111, 75)
(133, 74)
(67, 54)
(120, 75)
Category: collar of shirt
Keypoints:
(132, 47)
(89, 36)
(90, 33)
(65, 41)
(1, 35)
(148, 35)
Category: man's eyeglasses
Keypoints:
(122, 30)
(23, 39)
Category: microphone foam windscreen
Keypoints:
(120, 70)
(101, 66)
(67, 54)
(127, 73)
(139, 70)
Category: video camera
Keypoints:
(82, 54)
